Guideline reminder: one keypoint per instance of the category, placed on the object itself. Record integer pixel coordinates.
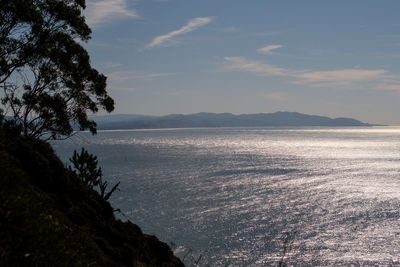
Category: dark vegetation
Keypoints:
(48, 85)
(88, 172)
(50, 217)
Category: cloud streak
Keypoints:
(192, 25)
(388, 87)
(121, 88)
(120, 76)
(242, 64)
(345, 77)
(275, 96)
(355, 78)
(268, 50)
(104, 11)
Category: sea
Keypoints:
(312, 196)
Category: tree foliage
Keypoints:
(86, 168)
(48, 84)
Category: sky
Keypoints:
(336, 58)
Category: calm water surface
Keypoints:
(241, 196)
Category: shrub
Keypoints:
(85, 165)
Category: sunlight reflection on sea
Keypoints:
(232, 195)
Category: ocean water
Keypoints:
(258, 196)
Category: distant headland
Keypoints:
(203, 119)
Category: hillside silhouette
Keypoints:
(49, 217)
(278, 119)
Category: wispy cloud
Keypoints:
(121, 80)
(355, 78)
(343, 77)
(130, 75)
(110, 64)
(242, 64)
(113, 87)
(268, 50)
(276, 96)
(192, 25)
(388, 87)
(103, 11)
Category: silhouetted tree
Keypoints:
(86, 168)
(47, 81)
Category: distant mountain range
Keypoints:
(125, 121)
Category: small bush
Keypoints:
(86, 168)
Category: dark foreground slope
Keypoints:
(49, 218)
